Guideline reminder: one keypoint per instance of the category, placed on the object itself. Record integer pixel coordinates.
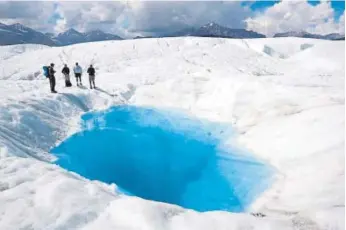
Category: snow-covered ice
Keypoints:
(284, 98)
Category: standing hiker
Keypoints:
(78, 73)
(51, 77)
(66, 72)
(91, 72)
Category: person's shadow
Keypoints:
(104, 91)
(82, 86)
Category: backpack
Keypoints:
(45, 71)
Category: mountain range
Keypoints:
(72, 36)
(214, 30)
(19, 34)
(303, 34)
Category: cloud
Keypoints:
(148, 18)
(36, 15)
(297, 16)
(132, 18)
(172, 16)
(85, 16)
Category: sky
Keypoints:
(148, 18)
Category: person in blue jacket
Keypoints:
(78, 73)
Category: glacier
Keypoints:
(283, 98)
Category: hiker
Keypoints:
(91, 72)
(66, 72)
(51, 77)
(78, 73)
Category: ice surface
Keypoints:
(164, 160)
(289, 112)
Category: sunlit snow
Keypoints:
(283, 99)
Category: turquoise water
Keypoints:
(164, 156)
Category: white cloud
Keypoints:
(297, 16)
(85, 16)
(131, 17)
(36, 15)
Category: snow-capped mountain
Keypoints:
(98, 35)
(19, 34)
(300, 34)
(214, 30)
(53, 37)
(335, 36)
(70, 36)
(303, 34)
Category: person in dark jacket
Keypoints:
(91, 72)
(51, 77)
(66, 72)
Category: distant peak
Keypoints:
(296, 32)
(21, 27)
(72, 31)
(18, 25)
(211, 24)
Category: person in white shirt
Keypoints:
(78, 73)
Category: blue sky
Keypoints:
(149, 18)
(338, 6)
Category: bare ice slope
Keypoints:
(284, 97)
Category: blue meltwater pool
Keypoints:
(165, 156)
